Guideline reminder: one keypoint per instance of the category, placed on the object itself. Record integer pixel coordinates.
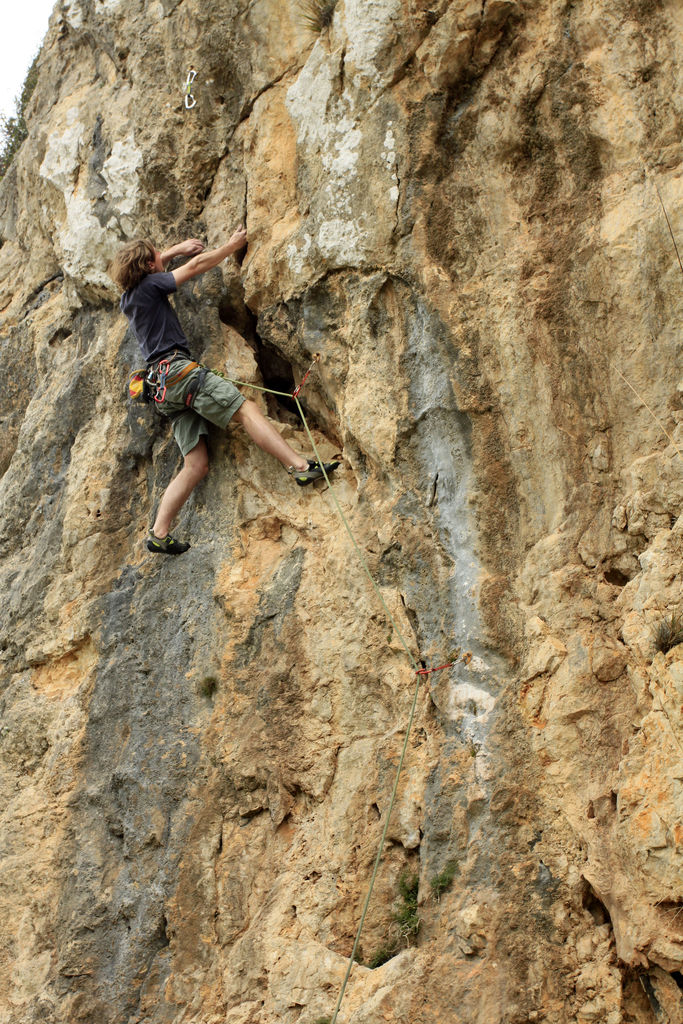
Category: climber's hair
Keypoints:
(131, 263)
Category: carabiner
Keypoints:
(191, 75)
(162, 369)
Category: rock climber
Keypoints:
(187, 392)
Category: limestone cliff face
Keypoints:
(455, 204)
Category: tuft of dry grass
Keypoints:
(317, 15)
(668, 633)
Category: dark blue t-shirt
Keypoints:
(152, 319)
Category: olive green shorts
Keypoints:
(217, 402)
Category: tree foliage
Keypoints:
(13, 130)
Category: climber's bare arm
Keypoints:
(206, 260)
(190, 247)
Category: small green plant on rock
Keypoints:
(668, 633)
(208, 686)
(317, 14)
(406, 917)
(383, 954)
(444, 879)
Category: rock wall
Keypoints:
(456, 204)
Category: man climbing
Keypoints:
(190, 394)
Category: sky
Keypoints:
(24, 24)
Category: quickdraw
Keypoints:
(190, 101)
(316, 359)
(428, 671)
(162, 373)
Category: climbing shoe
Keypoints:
(166, 545)
(314, 472)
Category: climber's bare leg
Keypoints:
(264, 434)
(195, 468)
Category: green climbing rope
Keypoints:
(416, 692)
(408, 728)
(353, 539)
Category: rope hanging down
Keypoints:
(653, 414)
(666, 216)
(419, 671)
(615, 367)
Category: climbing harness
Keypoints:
(153, 383)
(183, 373)
(190, 101)
(196, 386)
